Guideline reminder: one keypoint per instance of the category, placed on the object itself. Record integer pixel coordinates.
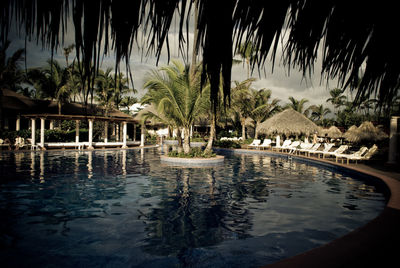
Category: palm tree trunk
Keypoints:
(256, 130)
(186, 141)
(59, 107)
(212, 134)
(243, 122)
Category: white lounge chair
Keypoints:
(352, 156)
(293, 147)
(362, 154)
(266, 143)
(284, 146)
(313, 148)
(339, 150)
(327, 147)
(255, 143)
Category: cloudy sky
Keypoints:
(279, 81)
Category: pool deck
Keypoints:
(376, 244)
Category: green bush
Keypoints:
(194, 152)
(226, 144)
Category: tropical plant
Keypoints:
(104, 90)
(247, 52)
(318, 113)
(11, 75)
(241, 101)
(177, 97)
(337, 98)
(298, 105)
(51, 83)
(128, 101)
(262, 107)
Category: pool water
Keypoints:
(124, 208)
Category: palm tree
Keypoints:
(11, 74)
(247, 52)
(176, 96)
(120, 88)
(67, 51)
(337, 98)
(51, 82)
(128, 101)
(104, 90)
(262, 107)
(318, 112)
(241, 101)
(298, 105)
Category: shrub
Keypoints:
(194, 152)
(226, 144)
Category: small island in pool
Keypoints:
(195, 156)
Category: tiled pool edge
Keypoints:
(372, 245)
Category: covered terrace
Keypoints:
(121, 123)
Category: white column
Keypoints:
(105, 131)
(90, 134)
(18, 123)
(33, 129)
(51, 124)
(392, 158)
(76, 131)
(42, 121)
(134, 132)
(142, 135)
(124, 133)
(117, 132)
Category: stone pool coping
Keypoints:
(376, 244)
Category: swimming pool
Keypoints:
(125, 208)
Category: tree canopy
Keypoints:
(352, 37)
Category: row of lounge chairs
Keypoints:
(309, 149)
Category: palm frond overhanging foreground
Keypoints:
(351, 35)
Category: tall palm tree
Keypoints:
(298, 105)
(318, 112)
(262, 107)
(104, 90)
(337, 98)
(176, 95)
(51, 83)
(241, 101)
(67, 51)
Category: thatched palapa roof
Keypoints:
(332, 132)
(365, 132)
(288, 122)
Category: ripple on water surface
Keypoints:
(126, 208)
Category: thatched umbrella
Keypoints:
(288, 122)
(352, 134)
(332, 132)
(365, 132)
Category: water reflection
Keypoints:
(126, 198)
